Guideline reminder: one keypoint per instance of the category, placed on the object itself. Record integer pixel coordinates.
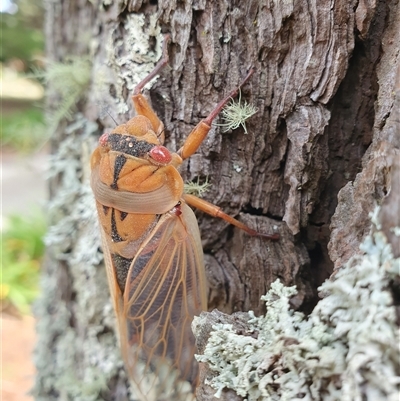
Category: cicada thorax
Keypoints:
(134, 180)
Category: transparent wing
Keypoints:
(115, 292)
(165, 288)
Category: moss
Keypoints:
(346, 349)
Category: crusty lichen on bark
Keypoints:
(347, 349)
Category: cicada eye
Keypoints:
(161, 155)
(103, 140)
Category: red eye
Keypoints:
(160, 154)
(103, 140)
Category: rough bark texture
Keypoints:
(359, 196)
(321, 144)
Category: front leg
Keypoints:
(140, 103)
(199, 133)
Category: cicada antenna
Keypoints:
(105, 110)
(161, 133)
(112, 118)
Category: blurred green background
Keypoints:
(23, 140)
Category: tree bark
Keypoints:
(315, 161)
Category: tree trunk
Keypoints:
(314, 163)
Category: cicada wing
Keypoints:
(115, 292)
(165, 289)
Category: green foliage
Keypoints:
(26, 130)
(23, 130)
(22, 249)
(21, 47)
(22, 36)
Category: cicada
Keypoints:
(152, 247)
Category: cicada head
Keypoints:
(141, 128)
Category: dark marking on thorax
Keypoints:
(120, 161)
(114, 229)
(126, 145)
(129, 145)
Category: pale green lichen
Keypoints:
(70, 80)
(72, 207)
(75, 361)
(195, 188)
(347, 349)
(131, 57)
(395, 231)
(74, 364)
(235, 114)
(77, 353)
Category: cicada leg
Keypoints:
(140, 103)
(216, 211)
(197, 136)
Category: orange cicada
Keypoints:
(152, 247)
